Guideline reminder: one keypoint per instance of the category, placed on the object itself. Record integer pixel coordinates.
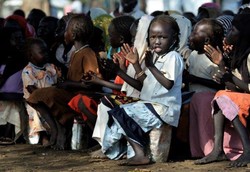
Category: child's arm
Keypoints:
(205, 82)
(131, 81)
(132, 56)
(92, 78)
(241, 85)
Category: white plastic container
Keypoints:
(76, 140)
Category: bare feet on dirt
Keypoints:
(212, 157)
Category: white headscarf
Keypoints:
(185, 26)
(141, 45)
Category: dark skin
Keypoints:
(119, 67)
(127, 5)
(69, 39)
(198, 39)
(37, 56)
(231, 82)
(161, 38)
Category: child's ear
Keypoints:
(122, 39)
(207, 40)
(73, 36)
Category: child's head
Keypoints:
(206, 31)
(36, 51)
(79, 29)
(163, 34)
(133, 29)
(46, 29)
(119, 31)
(61, 25)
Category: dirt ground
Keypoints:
(29, 158)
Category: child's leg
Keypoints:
(217, 153)
(42, 109)
(244, 159)
(61, 137)
(140, 157)
(91, 117)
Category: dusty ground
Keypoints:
(29, 158)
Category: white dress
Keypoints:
(157, 106)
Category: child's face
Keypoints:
(68, 35)
(199, 37)
(114, 37)
(17, 40)
(61, 25)
(39, 54)
(46, 30)
(232, 36)
(161, 37)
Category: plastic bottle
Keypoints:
(76, 140)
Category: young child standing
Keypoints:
(160, 86)
(37, 74)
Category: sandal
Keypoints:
(6, 141)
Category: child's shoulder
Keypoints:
(174, 54)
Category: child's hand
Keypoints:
(90, 77)
(149, 59)
(31, 88)
(58, 71)
(119, 58)
(227, 48)
(217, 76)
(231, 86)
(131, 55)
(214, 54)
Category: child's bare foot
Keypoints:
(98, 154)
(136, 160)
(212, 157)
(242, 161)
(46, 142)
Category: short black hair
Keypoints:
(122, 25)
(82, 27)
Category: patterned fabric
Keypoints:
(133, 120)
(40, 77)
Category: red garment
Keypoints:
(90, 104)
(23, 24)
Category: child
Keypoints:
(54, 100)
(119, 33)
(37, 74)
(232, 104)
(160, 86)
(200, 67)
(138, 30)
(201, 70)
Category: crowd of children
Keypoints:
(124, 77)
